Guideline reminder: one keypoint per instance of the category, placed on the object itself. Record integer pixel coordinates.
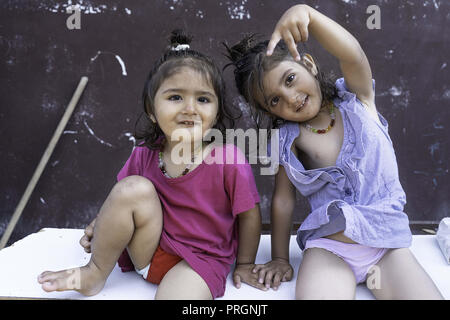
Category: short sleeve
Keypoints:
(349, 99)
(240, 182)
(133, 166)
(344, 92)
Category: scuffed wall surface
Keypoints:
(41, 62)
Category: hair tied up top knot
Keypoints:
(181, 47)
(180, 40)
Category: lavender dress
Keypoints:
(362, 193)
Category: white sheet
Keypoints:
(56, 249)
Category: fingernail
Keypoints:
(275, 288)
(260, 280)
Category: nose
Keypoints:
(295, 99)
(292, 98)
(189, 107)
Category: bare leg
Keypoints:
(183, 283)
(324, 276)
(130, 216)
(403, 278)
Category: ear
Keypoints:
(152, 117)
(308, 61)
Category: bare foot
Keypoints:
(87, 280)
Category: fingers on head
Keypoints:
(296, 35)
(292, 46)
(276, 37)
(303, 29)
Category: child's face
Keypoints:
(292, 92)
(186, 100)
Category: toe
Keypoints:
(49, 286)
(46, 275)
(56, 281)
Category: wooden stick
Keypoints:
(41, 166)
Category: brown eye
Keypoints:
(203, 100)
(175, 97)
(274, 101)
(290, 78)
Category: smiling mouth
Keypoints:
(304, 102)
(188, 123)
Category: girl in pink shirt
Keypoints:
(180, 224)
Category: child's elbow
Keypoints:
(283, 204)
(253, 214)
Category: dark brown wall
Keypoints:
(41, 62)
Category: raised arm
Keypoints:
(301, 20)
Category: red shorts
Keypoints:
(161, 263)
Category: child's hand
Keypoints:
(292, 28)
(243, 272)
(273, 272)
(85, 241)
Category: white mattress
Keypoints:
(56, 249)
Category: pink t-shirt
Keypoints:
(200, 209)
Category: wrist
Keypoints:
(304, 6)
(282, 259)
(310, 11)
(244, 261)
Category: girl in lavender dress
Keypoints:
(335, 150)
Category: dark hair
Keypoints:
(168, 64)
(251, 62)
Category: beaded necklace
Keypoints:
(162, 166)
(322, 131)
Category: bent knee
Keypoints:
(135, 188)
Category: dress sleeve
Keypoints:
(240, 182)
(342, 89)
(133, 166)
(348, 99)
